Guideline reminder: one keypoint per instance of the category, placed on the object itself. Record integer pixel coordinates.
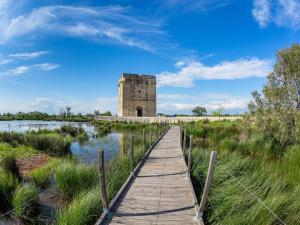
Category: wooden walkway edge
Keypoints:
(160, 193)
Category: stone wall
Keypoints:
(167, 119)
(137, 93)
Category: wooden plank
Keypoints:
(160, 192)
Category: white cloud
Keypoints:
(227, 70)
(262, 12)
(53, 104)
(110, 23)
(18, 71)
(27, 55)
(107, 104)
(284, 13)
(177, 103)
(20, 56)
(45, 105)
(47, 66)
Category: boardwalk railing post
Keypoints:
(184, 140)
(150, 137)
(131, 155)
(190, 157)
(209, 178)
(181, 136)
(102, 181)
(144, 140)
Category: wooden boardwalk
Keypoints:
(160, 193)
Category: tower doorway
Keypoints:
(139, 112)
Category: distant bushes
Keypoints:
(47, 117)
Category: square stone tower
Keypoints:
(137, 95)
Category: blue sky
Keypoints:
(211, 53)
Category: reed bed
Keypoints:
(253, 183)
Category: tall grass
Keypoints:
(9, 164)
(83, 210)
(13, 138)
(8, 184)
(19, 151)
(229, 201)
(72, 178)
(82, 187)
(248, 165)
(49, 143)
(41, 176)
(25, 203)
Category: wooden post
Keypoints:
(190, 156)
(144, 140)
(9, 127)
(150, 137)
(180, 136)
(102, 181)
(131, 155)
(184, 140)
(209, 178)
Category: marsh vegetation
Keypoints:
(71, 182)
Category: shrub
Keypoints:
(12, 138)
(9, 164)
(84, 209)
(25, 202)
(8, 185)
(72, 179)
(49, 143)
(71, 130)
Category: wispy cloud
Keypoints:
(20, 70)
(17, 71)
(262, 12)
(191, 71)
(21, 56)
(193, 5)
(47, 66)
(284, 13)
(114, 24)
(27, 55)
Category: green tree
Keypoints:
(276, 108)
(199, 111)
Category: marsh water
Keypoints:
(86, 152)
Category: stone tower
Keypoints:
(137, 95)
